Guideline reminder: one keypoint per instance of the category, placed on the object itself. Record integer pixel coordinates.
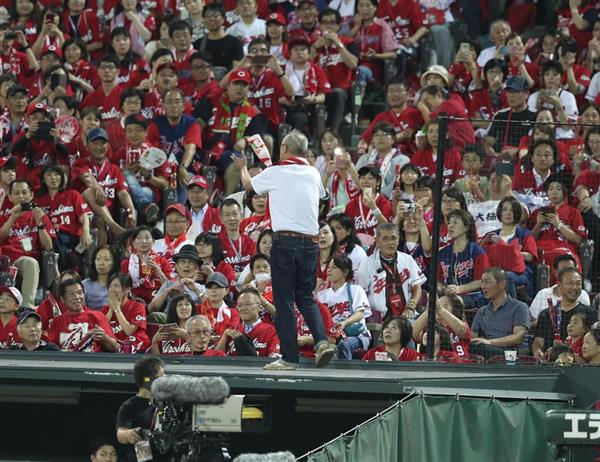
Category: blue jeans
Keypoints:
(64, 243)
(141, 196)
(365, 75)
(294, 275)
(516, 279)
(348, 346)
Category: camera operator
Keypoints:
(136, 414)
(38, 146)
(24, 233)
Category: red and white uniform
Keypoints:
(253, 225)
(64, 210)
(405, 17)
(206, 220)
(145, 286)
(461, 345)
(49, 309)
(307, 351)
(17, 64)
(365, 221)
(263, 336)
(426, 164)
(70, 331)
(330, 60)
(237, 252)
(338, 302)
(135, 313)
(265, 91)
(42, 153)
(107, 174)
(179, 346)
(108, 105)
(23, 239)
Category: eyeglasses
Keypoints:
(107, 67)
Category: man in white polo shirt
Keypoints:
(294, 189)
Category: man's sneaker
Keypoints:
(280, 365)
(151, 213)
(325, 353)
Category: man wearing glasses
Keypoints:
(107, 98)
(198, 329)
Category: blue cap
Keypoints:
(97, 134)
(516, 83)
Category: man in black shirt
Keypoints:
(29, 328)
(227, 51)
(136, 414)
(510, 125)
(552, 322)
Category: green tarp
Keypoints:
(440, 429)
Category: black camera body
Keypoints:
(25, 206)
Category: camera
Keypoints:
(25, 206)
(10, 35)
(411, 207)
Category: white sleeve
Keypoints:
(594, 87)
(537, 305)
(362, 275)
(360, 300)
(570, 105)
(264, 181)
(532, 101)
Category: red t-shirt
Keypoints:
(49, 309)
(461, 131)
(405, 18)
(550, 237)
(237, 253)
(135, 313)
(65, 210)
(365, 221)
(481, 102)
(193, 94)
(453, 170)
(70, 330)
(330, 60)
(42, 153)
(408, 118)
(406, 354)
(148, 284)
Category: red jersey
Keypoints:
(116, 135)
(16, 63)
(330, 60)
(371, 37)
(135, 313)
(460, 346)
(49, 309)
(410, 117)
(263, 336)
(587, 178)
(23, 238)
(237, 253)
(193, 94)
(36, 156)
(107, 174)
(365, 221)
(8, 334)
(108, 105)
(265, 91)
(70, 331)
(461, 131)
(307, 351)
(453, 170)
(550, 237)
(524, 181)
(65, 210)
(462, 77)
(406, 354)
(84, 26)
(85, 71)
(481, 102)
(405, 18)
(145, 286)
(132, 74)
(253, 225)
(532, 69)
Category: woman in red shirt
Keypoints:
(255, 223)
(172, 340)
(213, 260)
(127, 318)
(24, 14)
(82, 74)
(397, 334)
(132, 67)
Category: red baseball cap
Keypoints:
(37, 107)
(14, 292)
(51, 49)
(164, 66)
(278, 18)
(179, 208)
(240, 75)
(197, 181)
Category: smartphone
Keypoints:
(547, 210)
(465, 47)
(58, 80)
(368, 192)
(43, 131)
(505, 168)
(260, 60)
(169, 329)
(338, 156)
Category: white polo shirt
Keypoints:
(294, 192)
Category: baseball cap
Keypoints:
(276, 17)
(9, 163)
(179, 208)
(136, 119)
(97, 134)
(12, 91)
(51, 49)
(37, 107)
(372, 169)
(240, 75)
(517, 83)
(436, 69)
(218, 279)
(14, 292)
(164, 66)
(198, 181)
(25, 314)
(189, 252)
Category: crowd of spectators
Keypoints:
(159, 250)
